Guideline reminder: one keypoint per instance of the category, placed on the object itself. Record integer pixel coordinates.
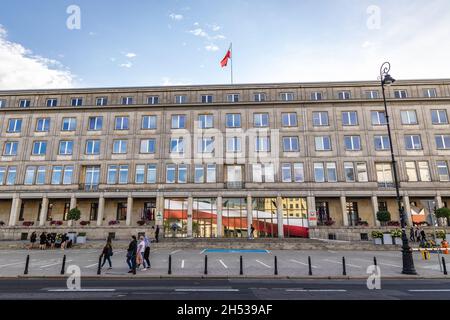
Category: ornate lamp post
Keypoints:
(408, 263)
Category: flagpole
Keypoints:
(231, 50)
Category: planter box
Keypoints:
(378, 240)
(447, 236)
(72, 236)
(397, 240)
(387, 238)
(81, 239)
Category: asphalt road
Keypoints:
(231, 289)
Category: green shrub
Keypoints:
(74, 214)
(377, 234)
(82, 234)
(443, 213)
(396, 233)
(440, 234)
(383, 216)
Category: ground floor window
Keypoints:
(264, 217)
(295, 218)
(234, 217)
(93, 214)
(323, 212)
(148, 213)
(175, 217)
(352, 212)
(121, 211)
(204, 217)
(66, 210)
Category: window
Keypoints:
(411, 171)
(93, 212)
(151, 173)
(413, 142)
(409, 117)
(180, 99)
(259, 97)
(121, 213)
(320, 118)
(429, 93)
(148, 146)
(43, 124)
(261, 119)
(442, 142)
(289, 119)
(205, 121)
(233, 120)
(2, 103)
(316, 96)
(153, 100)
(263, 172)
(127, 100)
(68, 175)
(262, 144)
(442, 169)
(11, 148)
(24, 103)
(439, 117)
(352, 143)
(182, 173)
(121, 123)
(323, 143)
(210, 173)
(39, 148)
(69, 124)
(65, 147)
(92, 176)
(178, 121)
(11, 177)
(117, 174)
(177, 145)
(2, 175)
(95, 123)
(384, 174)
(57, 173)
(77, 102)
(361, 169)
(140, 174)
(400, 94)
(287, 96)
(93, 147)
(205, 145)
(372, 94)
(322, 175)
(286, 172)
(120, 146)
(29, 175)
(292, 172)
(233, 98)
(207, 98)
(52, 102)
(291, 144)
(349, 171)
(40, 177)
(200, 173)
(381, 142)
(234, 144)
(14, 125)
(331, 172)
(148, 122)
(349, 118)
(424, 171)
(344, 95)
(101, 101)
(378, 118)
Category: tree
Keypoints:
(383, 216)
(74, 214)
(443, 213)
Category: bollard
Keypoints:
(344, 271)
(170, 264)
(206, 264)
(276, 266)
(99, 268)
(309, 266)
(63, 267)
(26, 265)
(241, 272)
(375, 261)
(443, 264)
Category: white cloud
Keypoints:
(176, 17)
(21, 69)
(167, 81)
(199, 32)
(211, 47)
(214, 27)
(128, 64)
(130, 55)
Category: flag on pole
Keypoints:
(224, 61)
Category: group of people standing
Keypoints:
(417, 234)
(138, 254)
(50, 240)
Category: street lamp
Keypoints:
(407, 257)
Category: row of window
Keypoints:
(233, 120)
(234, 97)
(290, 172)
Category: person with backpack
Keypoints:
(33, 239)
(140, 253)
(107, 253)
(147, 252)
(42, 241)
(131, 254)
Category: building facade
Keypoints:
(213, 161)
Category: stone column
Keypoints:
(219, 217)
(73, 204)
(101, 210)
(129, 209)
(15, 208)
(407, 208)
(44, 210)
(189, 216)
(280, 217)
(344, 211)
(159, 210)
(439, 203)
(312, 212)
(249, 214)
(375, 210)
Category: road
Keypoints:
(232, 289)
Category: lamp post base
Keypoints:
(407, 257)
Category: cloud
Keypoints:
(21, 69)
(176, 17)
(167, 81)
(214, 27)
(128, 64)
(199, 32)
(211, 47)
(130, 55)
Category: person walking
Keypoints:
(42, 241)
(131, 254)
(147, 252)
(417, 233)
(411, 234)
(252, 231)
(423, 235)
(33, 239)
(140, 253)
(157, 234)
(63, 241)
(107, 253)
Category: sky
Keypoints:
(110, 43)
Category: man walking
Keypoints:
(411, 234)
(157, 233)
(147, 252)
(131, 254)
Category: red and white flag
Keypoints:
(224, 61)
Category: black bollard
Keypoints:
(63, 267)
(241, 269)
(26, 265)
(374, 261)
(309, 266)
(170, 265)
(444, 266)
(99, 268)
(206, 264)
(276, 266)
(344, 271)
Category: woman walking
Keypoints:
(42, 241)
(107, 253)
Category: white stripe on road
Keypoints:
(347, 264)
(91, 265)
(54, 264)
(182, 264)
(207, 290)
(305, 264)
(389, 265)
(429, 290)
(81, 290)
(11, 264)
(316, 290)
(224, 265)
(267, 266)
(173, 252)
